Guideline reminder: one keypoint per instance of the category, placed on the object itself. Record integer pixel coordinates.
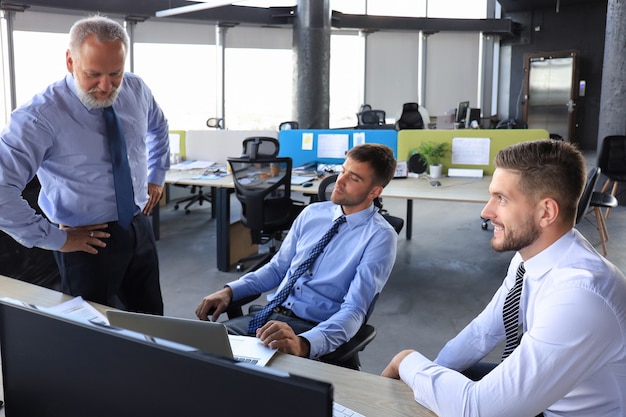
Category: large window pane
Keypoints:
(346, 79)
(258, 88)
(182, 79)
(39, 61)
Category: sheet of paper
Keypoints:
(80, 309)
(332, 145)
(470, 151)
(358, 138)
(186, 165)
(307, 141)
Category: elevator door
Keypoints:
(550, 92)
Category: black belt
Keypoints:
(285, 312)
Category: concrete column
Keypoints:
(311, 64)
(612, 120)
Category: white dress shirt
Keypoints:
(572, 357)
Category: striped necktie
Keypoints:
(121, 170)
(510, 312)
(261, 317)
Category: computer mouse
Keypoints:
(435, 183)
(307, 184)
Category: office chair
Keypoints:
(288, 125)
(215, 122)
(371, 119)
(260, 147)
(596, 200)
(512, 124)
(612, 162)
(266, 205)
(410, 117)
(197, 197)
(326, 189)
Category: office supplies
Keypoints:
(48, 371)
(204, 335)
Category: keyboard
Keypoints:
(342, 411)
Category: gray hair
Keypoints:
(105, 30)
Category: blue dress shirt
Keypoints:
(64, 143)
(343, 281)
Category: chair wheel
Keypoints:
(176, 207)
(239, 267)
(187, 211)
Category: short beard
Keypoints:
(520, 238)
(90, 101)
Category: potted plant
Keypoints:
(431, 153)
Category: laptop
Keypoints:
(203, 335)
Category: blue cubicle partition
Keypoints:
(303, 145)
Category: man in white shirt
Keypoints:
(571, 360)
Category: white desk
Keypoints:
(472, 190)
(371, 395)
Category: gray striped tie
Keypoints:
(510, 312)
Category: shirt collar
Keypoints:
(358, 217)
(540, 264)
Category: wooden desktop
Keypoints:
(369, 394)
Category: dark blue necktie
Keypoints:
(121, 170)
(261, 317)
(510, 312)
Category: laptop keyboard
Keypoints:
(251, 361)
(342, 411)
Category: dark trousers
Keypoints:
(239, 325)
(123, 275)
(478, 371)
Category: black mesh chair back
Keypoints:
(263, 187)
(410, 117)
(372, 118)
(512, 124)
(260, 147)
(288, 125)
(585, 198)
(612, 158)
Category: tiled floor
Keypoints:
(442, 277)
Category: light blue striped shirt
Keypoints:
(64, 143)
(342, 282)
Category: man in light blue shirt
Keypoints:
(329, 302)
(60, 136)
(571, 359)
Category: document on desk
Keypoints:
(76, 308)
(194, 164)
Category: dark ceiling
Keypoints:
(265, 16)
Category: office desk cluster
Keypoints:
(370, 395)
(472, 190)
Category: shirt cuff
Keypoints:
(412, 364)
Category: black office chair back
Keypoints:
(288, 125)
(410, 117)
(260, 147)
(585, 198)
(612, 158)
(263, 187)
(326, 189)
(371, 118)
(512, 124)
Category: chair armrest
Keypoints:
(343, 353)
(235, 309)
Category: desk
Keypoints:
(371, 395)
(469, 190)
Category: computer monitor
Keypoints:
(56, 366)
(461, 112)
